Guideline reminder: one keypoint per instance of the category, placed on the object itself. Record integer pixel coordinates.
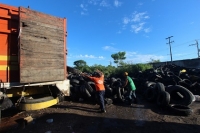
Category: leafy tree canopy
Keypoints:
(80, 63)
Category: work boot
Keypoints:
(103, 111)
(135, 101)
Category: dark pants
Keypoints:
(100, 98)
(132, 96)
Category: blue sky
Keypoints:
(99, 28)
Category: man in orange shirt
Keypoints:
(98, 79)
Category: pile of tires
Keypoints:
(168, 86)
(176, 98)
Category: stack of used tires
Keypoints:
(175, 97)
(169, 86)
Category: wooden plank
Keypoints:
(42, 72)
(37, 16)
(41, 75)
(27, 37)
(40, 47)
(24, 54)
(41, 79)
(43, 35)
(43, 63)
(25, 22)
(42, 26)
(30, 28)
(40, 44)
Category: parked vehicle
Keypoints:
(33, 72)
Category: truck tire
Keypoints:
(39, 103)
(38, 100)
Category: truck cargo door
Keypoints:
(42, 47)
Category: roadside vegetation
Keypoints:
(116, 70)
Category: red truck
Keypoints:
(33, 54)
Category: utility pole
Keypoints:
(198, 50)
(170, 46)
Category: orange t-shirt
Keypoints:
(99, 83)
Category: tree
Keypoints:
(119, 57)
(80, 63)
(154, 61)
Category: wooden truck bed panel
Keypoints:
(32, 47)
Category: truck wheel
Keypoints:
(38, 100)
(39, 103)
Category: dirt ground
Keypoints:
(83, 117)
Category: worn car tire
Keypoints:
(160, 88)
(175, 98)
(180, 109)
(163, 99)
(150, 94)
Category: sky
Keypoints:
(99, 28)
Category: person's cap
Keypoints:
(125, 73)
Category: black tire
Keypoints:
(160, 88)
(84, 91)
(89, 88)
(150, 84)
(108, 91)
(175, 97)
(87, 93)
(37, 100)
(150, 94)
(163, 99)
(92, 84)
(119, 94)
(108, 101)
(180, 109)
(74, 81)
(73, 70)
(6, 103)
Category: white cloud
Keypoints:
(117, 3)
(191, 22)
(130, 54)
(93, 2)
(101, 57)
(104, 3)
(137, 27)
(147, 30)
(138, 17)
(83, 7)
(89, 56)
(126, 20)
(136, 22)
(140, 4)
(119, 32)
(139, 58)
(109, 48)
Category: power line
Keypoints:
(198, 50)
(170, 46)
(174, 46)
